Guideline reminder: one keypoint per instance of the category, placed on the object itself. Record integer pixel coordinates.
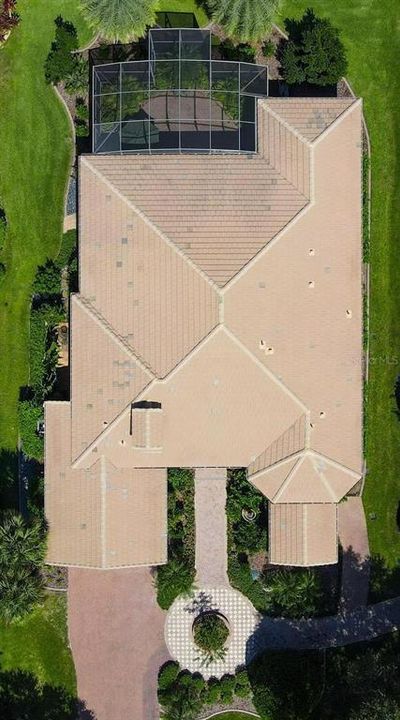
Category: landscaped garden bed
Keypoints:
(177, 576)
(196, 697)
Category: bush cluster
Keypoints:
(313, 53)
(47, 311)
(177, 576)
(9, 18)
(210, 635)
(245, 538)
(22, 551)
(240, 52)
(63, 63)
(183, 694)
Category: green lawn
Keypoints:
(39, 645)
(371, 32)
(35, 153)
(187, 6)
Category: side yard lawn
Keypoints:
(39, 645)
(371, 33)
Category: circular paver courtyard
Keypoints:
(242, 619)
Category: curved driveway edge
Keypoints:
(116, 631)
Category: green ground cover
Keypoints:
(36, 148)
(371, 33)
(39, 645)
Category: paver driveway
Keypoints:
(116, 632)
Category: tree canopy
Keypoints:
(314, 52)
(245, 20)
(119, 20)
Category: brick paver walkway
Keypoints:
(211, 530)
(116, 632)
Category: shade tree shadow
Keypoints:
(22, 696)
(8, 479)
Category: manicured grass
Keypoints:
(185, 6)
(36, 148)
(35, 153)
(371, 33)
(39, 645)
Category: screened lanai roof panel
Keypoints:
(179, 98)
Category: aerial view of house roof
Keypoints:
(199, 345)
(218, 324)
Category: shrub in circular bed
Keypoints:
(210, 634)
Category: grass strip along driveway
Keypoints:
(371, 33)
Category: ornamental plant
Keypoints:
(313, 53)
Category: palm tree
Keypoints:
(20, 591)
(293, 593)
(245, 20)
(21, 543)
(119, 20)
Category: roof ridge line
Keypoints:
(288, 478)
(288, 458)
(112, 333)
(285, 123)
(153, 225)
(267, 370)
(323, 478)
(243, 270)
(337, 121)
(154, 380)
(103, 482)
(334, 463)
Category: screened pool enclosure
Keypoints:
(179, 99)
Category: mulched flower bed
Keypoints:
(55, 578)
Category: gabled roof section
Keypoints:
(307, 478)
(303, 534)
(106, 376)
(216, 409)
(219, 211)
(309, 116)
(101, 517)
(157, 301)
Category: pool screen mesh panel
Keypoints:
(179, 99)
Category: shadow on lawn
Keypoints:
(8, 479)
(21, 696)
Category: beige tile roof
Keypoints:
(103, 516)
(106, 376)
(298, 305)
(303, 534)
(309, 116)
(138, 282)
(226, 290)
(308, 477)
(290, 442)
(206, 413)
(213, 207)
